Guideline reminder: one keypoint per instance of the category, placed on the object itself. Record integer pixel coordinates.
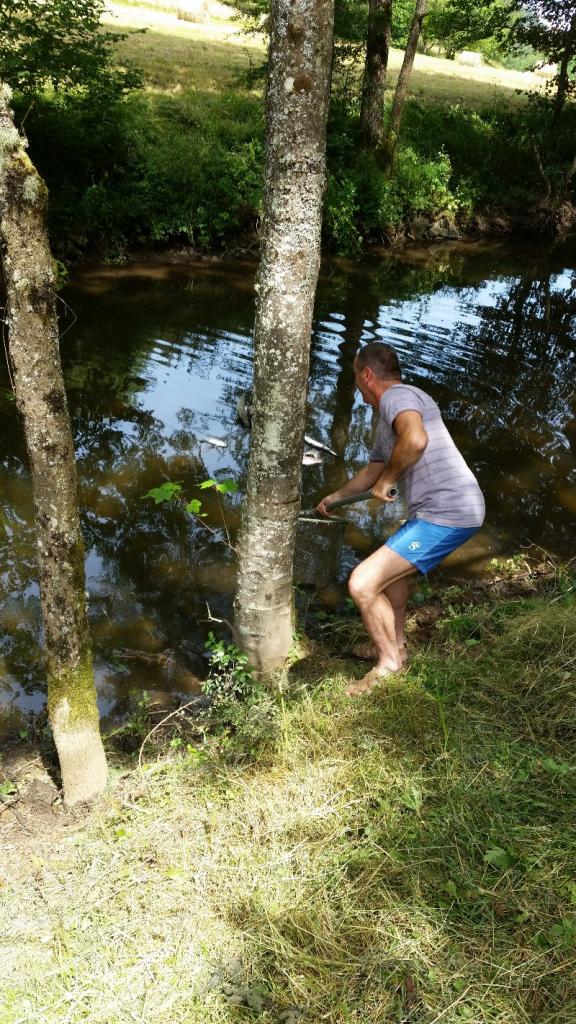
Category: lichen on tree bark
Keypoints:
(298, 91)
(33, 347)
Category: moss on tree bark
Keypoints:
(34, 358)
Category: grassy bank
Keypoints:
(408, 856)
(180, 160)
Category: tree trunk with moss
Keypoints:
(404, 76)
(375, 70)
(39, 389)
(298, 92)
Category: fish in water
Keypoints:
(318, 444)
(245, 408)
(218, 442)
(311, 458)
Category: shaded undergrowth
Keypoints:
(408, 856)
(180, 160)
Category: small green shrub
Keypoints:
(365, 201)
(230, 674)
(341, 213)
(243, 711)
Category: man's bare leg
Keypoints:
(398, 594)
(369, 587)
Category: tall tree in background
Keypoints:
(461, 24)
(405, 72)
(41, 400)
(549, 26)
(375, 70)
(297, 100)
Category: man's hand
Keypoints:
(382, 488)
(363, 480)
(322, 506)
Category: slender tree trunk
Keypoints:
(564, 69)
(405, 72)
(41, 400)
(297, 107)
(375, 69)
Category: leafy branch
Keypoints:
(171, 490)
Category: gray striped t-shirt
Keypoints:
(440, 487)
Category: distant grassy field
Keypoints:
(177, 55)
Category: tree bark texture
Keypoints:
(375, 69)
(41, 400)
(298, 91)
(405, 72)
(564, 69)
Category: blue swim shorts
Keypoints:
(425, 544)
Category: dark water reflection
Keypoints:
(154, 362)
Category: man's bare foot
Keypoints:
(375, 677)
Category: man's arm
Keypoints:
(363, 480)
(410, 446)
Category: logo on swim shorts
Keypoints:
(415, 545)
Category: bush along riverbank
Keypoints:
(185, 168)
(292, 855)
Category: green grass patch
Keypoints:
(408, 856)
(182, 55)
(181, 60)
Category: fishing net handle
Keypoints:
(361, 496)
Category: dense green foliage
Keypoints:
(453, 161)
(149, 169)
(58, 43)
(453, 24)
(154, 168)
(186, 164)
(549, 26)
(459, 24)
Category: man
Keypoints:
(414, 451)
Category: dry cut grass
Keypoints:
(406, 857)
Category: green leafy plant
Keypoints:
(498, 857)
(59, 44)
(230, 674)
(228, 486)
(165, 492)
(243, 712)
(171, 490)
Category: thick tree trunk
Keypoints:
(564, 69)
(297, 106)
(375, 69)
(41, 400)
(405, 72)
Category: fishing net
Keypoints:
(317, 551)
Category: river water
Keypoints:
(155, 355)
